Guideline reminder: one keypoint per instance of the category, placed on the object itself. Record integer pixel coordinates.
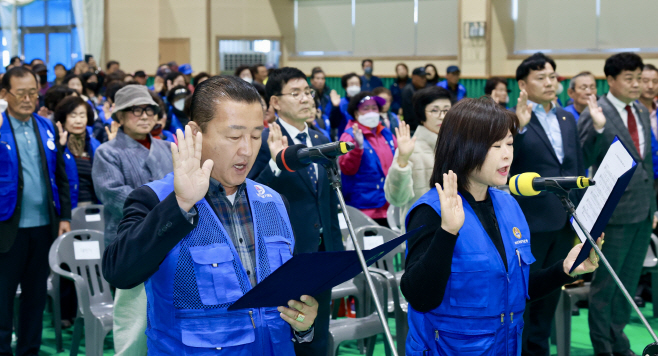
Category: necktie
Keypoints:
(310, 170)
(632, 129)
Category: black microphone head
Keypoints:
(287, 159)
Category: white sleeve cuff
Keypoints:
(274, 168)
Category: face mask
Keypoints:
(179, 104)
(248, 80)
(560, 89)
(353, 90)
(370, 119)
(368, 70)
(93, 86)
(3, 105)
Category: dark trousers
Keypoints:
(548, 248)
(318, 347)
(26, 263)
(625, 248)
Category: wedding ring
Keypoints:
(300, 317)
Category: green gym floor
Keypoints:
(580, 344)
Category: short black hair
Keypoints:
(111, 63)
(278, 79)
(620, 62)
(363, 62)
(492, 83)
(426, 96)
(88, 57)
(59, 65)
(14, 58)
(112, 89)
(241, 68)
(216, 89)
(315, 71)
(353, 106)
(200, 76)
(72, 76)
(535, 62)
(650, 66)
(68, 105)
(348, 76)
(18, 72)
(469, 129)
(55, 94)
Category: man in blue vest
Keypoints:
(456, 89)
(205, 235)
(581, 87)
(30, 157)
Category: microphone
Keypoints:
(529, 184)
(296, 157)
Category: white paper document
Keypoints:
(616, 162)
(86, 250)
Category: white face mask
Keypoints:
(3, 105)
(179, 104)
(353, 90)
(248, 80)
(370, 119)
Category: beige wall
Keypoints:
(135, 26)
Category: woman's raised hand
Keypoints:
(452, 210)
(406, 144)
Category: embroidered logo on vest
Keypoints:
(517, 232)
(260, 191)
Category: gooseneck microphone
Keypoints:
(529, 184)
(296, 157)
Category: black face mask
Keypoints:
(93, 86)
(43, 78)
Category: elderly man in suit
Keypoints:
(548, 144)
(629, 229)
(131, 160)
(313, 204)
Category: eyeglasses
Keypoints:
(436, 112)
(20, 94)
(138, 110)
(298, 94)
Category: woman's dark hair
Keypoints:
(85, 80)
(200, 76)
(346, 77)
(535, 62)
(160, 103)
(240, 69)
(55, 94)
(469, 129)
(112, 89)
(278, 79)
(405, 67)
(172, 76)
(217, 89)
(620, 62)
(426, 96)
(492, 83)
(68, 105)
(436, 73)
(353, 106)
(70, 77)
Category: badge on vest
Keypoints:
(50, 134)
(517, 234)
(51, 144)
(260, 191)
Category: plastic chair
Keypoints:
(366, 327)
(359, 219)
(82, 250)
(568, 299)
(88, 217)
(53, 294)
(393, 218)
(651, 266)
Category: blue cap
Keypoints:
(452, 69)
(185, 69)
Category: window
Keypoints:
(235, 53)
(584, 26)
(376, 27)
(45, 29)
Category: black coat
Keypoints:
(309, 211)
(533, 152)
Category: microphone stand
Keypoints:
(331, 165)
(563, 194)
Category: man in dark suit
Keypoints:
(313, 204)
(35, 207)
(547, 143)
(629, 229)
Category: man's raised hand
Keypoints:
(191, 180)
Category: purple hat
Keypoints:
(380, 101)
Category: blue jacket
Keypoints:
(346, 117)
(482, 308)
(72, 168)
(396, 93)
(365, 189)
(369, 85)
(202, 276)
(461, 90)
(173, 121)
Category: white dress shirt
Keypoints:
(293, 132)
(621, 109)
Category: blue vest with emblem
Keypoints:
(9, 164)
(72, 168)
(365, 189)
(202, 276)
(482, 309)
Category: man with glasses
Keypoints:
(581, 87)
(35, 208)
(129, 161)
(313, 204)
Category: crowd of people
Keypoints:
(94, 136)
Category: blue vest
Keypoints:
(202, 276)
(72, 169)
(365, 189)
(482, 309)
(9, 164)
(174, 123)
(461, 90)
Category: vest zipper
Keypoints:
(436, 333)
(251, 315)
(502, 318)
(519, 256)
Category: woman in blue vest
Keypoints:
(364, 169)
(72, 116)
(467, 273)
